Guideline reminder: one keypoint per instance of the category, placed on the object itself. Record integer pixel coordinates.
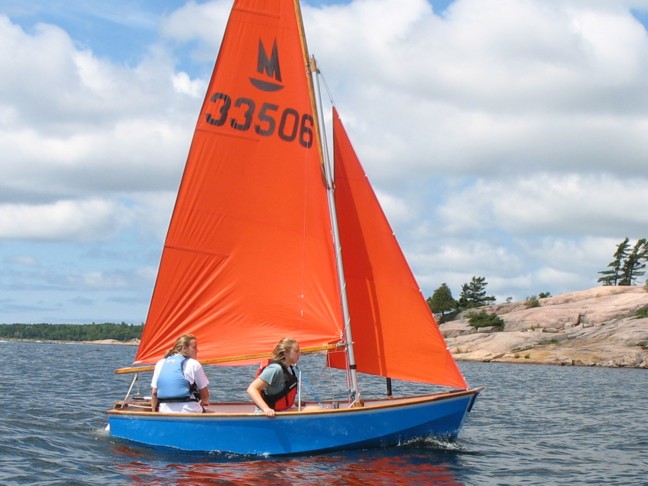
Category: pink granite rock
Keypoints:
(594, 327)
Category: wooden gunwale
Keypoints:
(369, 404)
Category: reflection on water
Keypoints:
(405, 465)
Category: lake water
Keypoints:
(531, 425)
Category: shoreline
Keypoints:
(132, 342)
(550, 362)
(548, 359)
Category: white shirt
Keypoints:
(193, 373)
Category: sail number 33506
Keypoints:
(243, 115)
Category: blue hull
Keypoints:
(379, 423)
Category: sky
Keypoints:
(506, 139)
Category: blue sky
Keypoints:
(505, 138)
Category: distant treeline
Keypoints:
(72, 332)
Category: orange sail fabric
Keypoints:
(394, 332)
(248, 257)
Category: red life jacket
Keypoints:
(285, 398)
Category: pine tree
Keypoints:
(613, 275)
(442, 301)
(473, 294)
(634, 265)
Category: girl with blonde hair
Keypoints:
(179, 383)
(275, 387)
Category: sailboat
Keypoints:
(270, 238)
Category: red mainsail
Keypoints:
(248, 257)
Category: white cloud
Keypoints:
(505, 139)
(493, 87)
(84, 220)
(77, 132)
(199, 24)
(185, 85)
(99, 280)
(25, 260)
(549, 204)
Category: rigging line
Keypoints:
(310, 387)
(326, 87)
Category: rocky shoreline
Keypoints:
(595, 327)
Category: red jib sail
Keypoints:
(394, 332)
(248, 258)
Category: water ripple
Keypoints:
(532, 424)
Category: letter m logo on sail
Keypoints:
(268, 66)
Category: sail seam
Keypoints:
(227, 134)
(194, 250)
(257, 12)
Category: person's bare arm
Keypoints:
(254, 390)
(204, 397)
(154, 400)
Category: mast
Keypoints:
(328, 175)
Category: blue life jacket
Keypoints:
(172, 384)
